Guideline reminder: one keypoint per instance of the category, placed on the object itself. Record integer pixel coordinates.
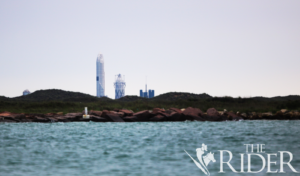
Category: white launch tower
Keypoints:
(119, 86)
(100, 76)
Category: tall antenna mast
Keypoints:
(146, 84)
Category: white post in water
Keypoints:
(86, 116)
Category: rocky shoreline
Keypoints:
(155, 115)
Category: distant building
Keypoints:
(26, 92)
(119, 86)
(149, 94)
(100, 76)
(141, 93)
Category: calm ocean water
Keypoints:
(140, 148)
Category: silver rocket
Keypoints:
(100, 76)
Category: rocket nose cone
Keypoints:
(100, 58)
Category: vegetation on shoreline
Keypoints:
(46, 101)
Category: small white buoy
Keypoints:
(86, 116)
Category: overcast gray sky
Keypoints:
(229, 47)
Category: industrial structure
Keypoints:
(119, 86)
(149, 94)
(26, 92)
(100, 76)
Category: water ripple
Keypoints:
(134, 148)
